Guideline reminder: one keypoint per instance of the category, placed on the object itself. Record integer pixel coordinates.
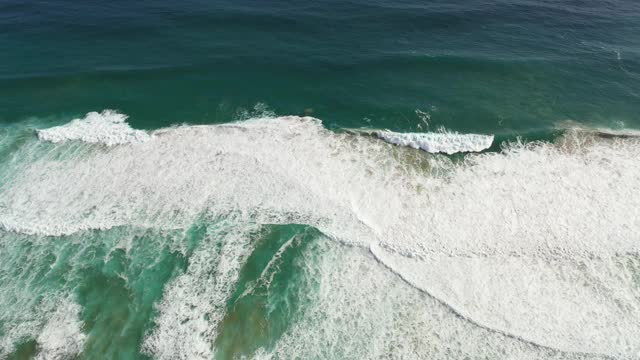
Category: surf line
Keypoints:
(374, 247)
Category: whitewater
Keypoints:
(532, 249)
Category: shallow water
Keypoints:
(344, 180)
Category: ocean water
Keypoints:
(320, 180)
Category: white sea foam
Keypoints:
(362, 311)
(619, 130)
(438, 142)
(61, 337)
(52, 321)
(194, 303)
(531, 225)
(107, 127)
(534, 298)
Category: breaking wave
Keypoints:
(107, 127)
(537, 242)
(438, 142)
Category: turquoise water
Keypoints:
(208, 179)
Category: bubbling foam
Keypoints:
(108, 127)
(361, 311)
(194, 302)
(439, 142)
(61, 337)
(533, 212)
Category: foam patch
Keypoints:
(438, 142)
(107, 127)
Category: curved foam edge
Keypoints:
(363, 312)
(436, 142)
(107, 127)
(486, 290)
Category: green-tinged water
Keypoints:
(325, 180)
(116, 276)
(267, 295)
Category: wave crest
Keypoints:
(437, 142)
(107, 127)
